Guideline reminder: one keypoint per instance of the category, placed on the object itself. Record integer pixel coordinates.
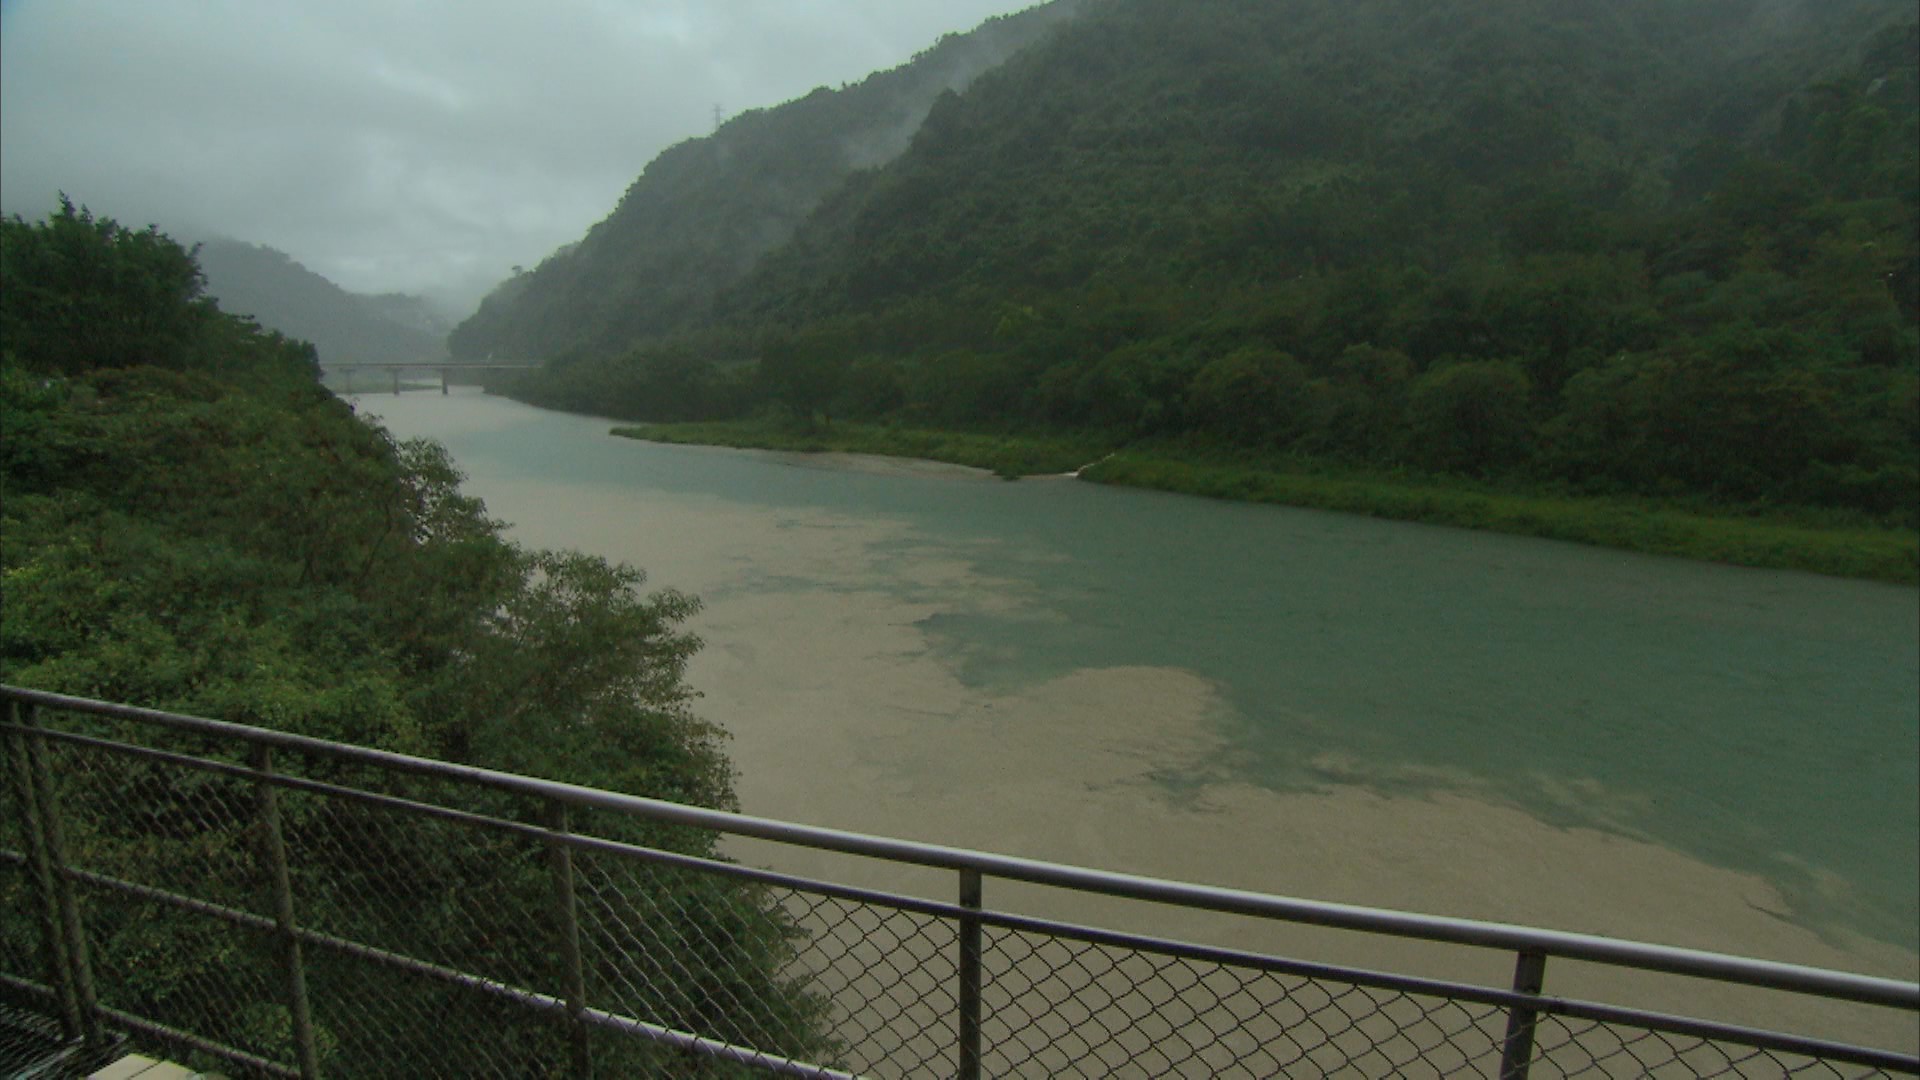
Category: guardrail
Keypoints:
(289, 906)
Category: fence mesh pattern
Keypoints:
(1069, 1007)
(892, 978)
(1570, 1047)
(22, 952)
(430, 946)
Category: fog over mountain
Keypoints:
(1625, 248)
(704, 212)
(421, 148)
(281, 294)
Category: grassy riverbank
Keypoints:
(1010, 456)
(1780, 540)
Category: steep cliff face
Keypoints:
(706, 210)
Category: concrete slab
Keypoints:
(140, 1067)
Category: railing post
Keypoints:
(54, 953)
(970, 976)
(1516, 1051)
(567, 922)
(281, 882)
(66, 937)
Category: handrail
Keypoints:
(1674, 960)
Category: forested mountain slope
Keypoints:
(1230, 142)
(192, 522)
(1640, 246)
(706, 209)
(269, 286)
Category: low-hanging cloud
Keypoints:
(423, 147)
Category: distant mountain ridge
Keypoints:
(1230, 141)
(706, 210)
(280, 294)
(1277, 116)
(1637, 247)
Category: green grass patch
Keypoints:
(1009, 456)
(1880, 554)
(1786, 539)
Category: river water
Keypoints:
(1286, 700)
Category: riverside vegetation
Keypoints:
(1842, 544)
(1643, 274)
(191, 522)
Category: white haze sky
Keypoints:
(422, 146)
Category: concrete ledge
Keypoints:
(145, 1068)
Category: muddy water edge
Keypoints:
(1282, 700)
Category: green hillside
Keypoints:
(282, 295)
(707, 209)
(192, 522)
(1639, 249)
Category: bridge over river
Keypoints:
(444, 368)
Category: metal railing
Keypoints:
(288, 906)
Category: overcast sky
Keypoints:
(393, 145)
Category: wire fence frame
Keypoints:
(940, 1003)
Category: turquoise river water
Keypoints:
(1761, 724)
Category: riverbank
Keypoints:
(1009, 456)
(1780, 541)
(1230, 669)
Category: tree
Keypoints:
(225, 538)
(1252, 395)
(1088, 236)
(1359, 410)
(803, 371)
(78, 292)
(1471, 416)
(1739, 412)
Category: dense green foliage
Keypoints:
(79, 294)
(1009, 456)
(283, 295)
(1638, 248)
(191, 522)
(1823, 542)
(706, 209)
(1807, 541)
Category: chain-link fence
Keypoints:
(266, 904)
